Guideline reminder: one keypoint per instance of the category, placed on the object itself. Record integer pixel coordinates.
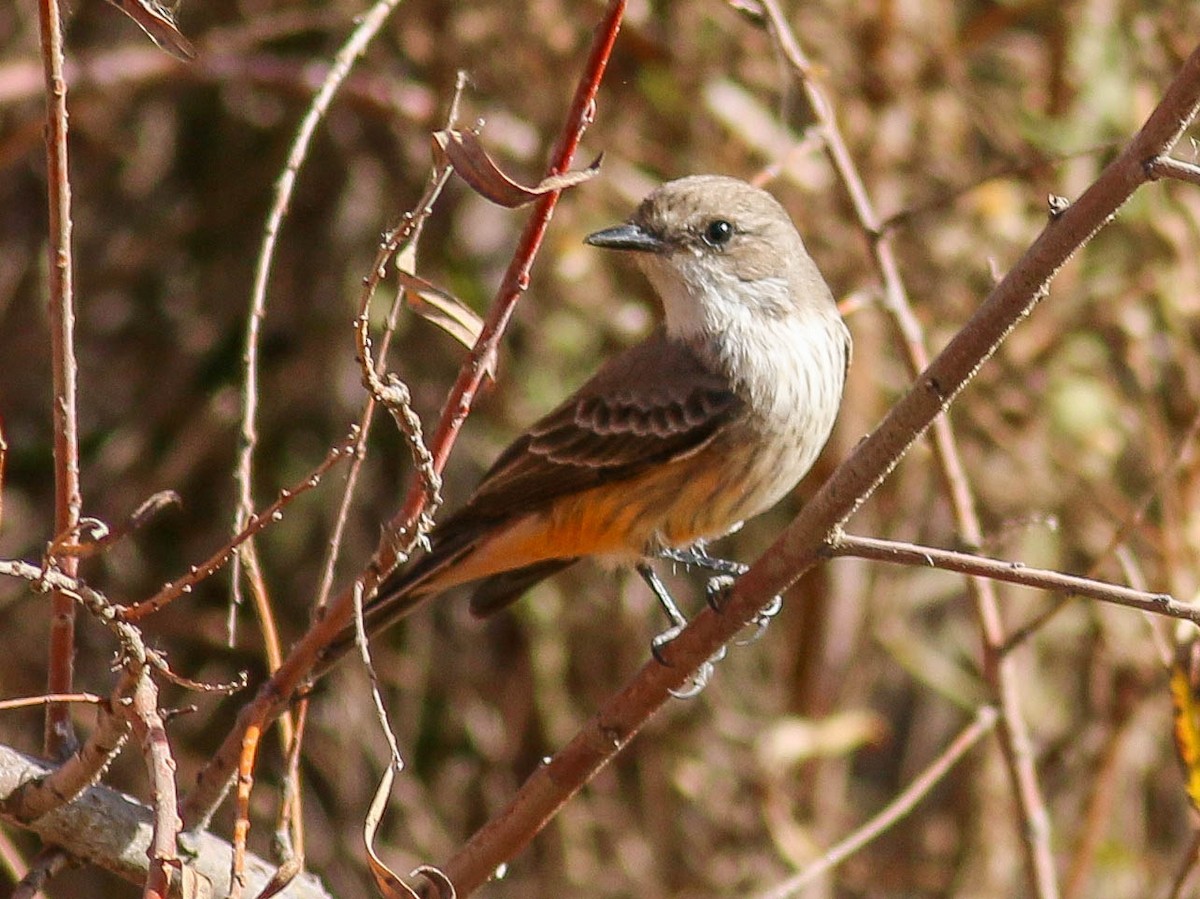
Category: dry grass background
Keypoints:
(963, 117)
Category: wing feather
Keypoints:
(655, 403)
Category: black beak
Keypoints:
(626, 237)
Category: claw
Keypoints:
(660, 642)
(716, 585)
(771, 609)
(761, 620)
(716, 591)
(703, 674)
(698, 682)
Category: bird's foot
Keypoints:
(716, 594)
(700, 678)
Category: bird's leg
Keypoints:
(659, 589)
(717, 588)
(678, 623)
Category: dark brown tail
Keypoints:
(400, 594)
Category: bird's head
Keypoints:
(716, 249)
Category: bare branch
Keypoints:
(114, 831)
(1009, 572)
(68, 501)
(800, 545)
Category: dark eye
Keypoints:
(718, 232)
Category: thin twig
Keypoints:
(365, 31)
(92, 536)
(998, 669)
(1166, 167)
(83, 768)
(27, 701)
(59, 736)
(241, 818)
(289, 838)
(272, 513)
(1009, 572)
(381, 715)
(901, 805)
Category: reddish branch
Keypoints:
(213, 780)
(516, 278)
(67, 500)
(801, 545)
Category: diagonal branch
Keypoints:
(998, 669)
(800, 546)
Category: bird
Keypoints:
(710, 420)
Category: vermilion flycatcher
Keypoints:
(707, 422)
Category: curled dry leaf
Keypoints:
(476, 167)
(388, 884)
(441, 883)
(445, 310)
(158, 21)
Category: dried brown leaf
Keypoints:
(478, 169)
(443, 309)
(386, 881)
(1185, 694)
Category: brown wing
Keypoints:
(654, 403)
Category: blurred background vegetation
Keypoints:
(963, 118)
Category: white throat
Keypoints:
(701, 300)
